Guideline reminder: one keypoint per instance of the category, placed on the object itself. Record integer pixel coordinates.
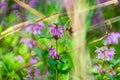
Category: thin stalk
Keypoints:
(56, 72)
(32, 73)
(56, 64)
(57, 45)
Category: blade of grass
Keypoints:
(30, 9)
(19, 26)
(36, 13)
(12, 28)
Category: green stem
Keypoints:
(57, 45)
(56, 64)
(32, 73)
(56, 72)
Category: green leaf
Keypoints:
(58, 61)
(38, 51)
(51, 62)
(109, 76)
(13, 75)
(0, 28)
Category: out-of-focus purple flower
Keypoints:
(97, 18)
(112, 73)
(109, 54)
(33, 60)
(28, 42)
(100, 52)
(35, 28)
(3, 4)
(105, 54)
(97, 67)
(104, 71)
(56, 31)
(36, 71)
(113, 37)
(53, 53)
(102, 1)
(27, 23)
(47, 73)
(32, 3)
(55, 0)
(68, 4)
(15, 6)
(32, 72)
(17, 13)
(20, 58)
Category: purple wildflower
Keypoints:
(15, 6)
(102, 1)
(27, 23)
(97, 67)
(112, 73)
(68, 4)
(3, 4)
(113, 37)
(32, 3)
(97, 18)
(53, 53)
(105, 54)
(33, 60)
(104, 71)
(28, 42)
(20, 58)
(109, 54)
(47, 73)
(56, 31)
(55, 0)
(32, 71)
(17, 13)
(35, 28)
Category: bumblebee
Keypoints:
(70, 30)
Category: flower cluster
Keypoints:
(33, 60)
(53, 53)
(32, 3)
(35, 28)
(102, 1)
(104, 70)
(56, 31)
(15, 6)
(20, 58)
(28, 42)
(105, 54)
(3, 4)
(97, 18)
(32, 71)
(113, 37)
